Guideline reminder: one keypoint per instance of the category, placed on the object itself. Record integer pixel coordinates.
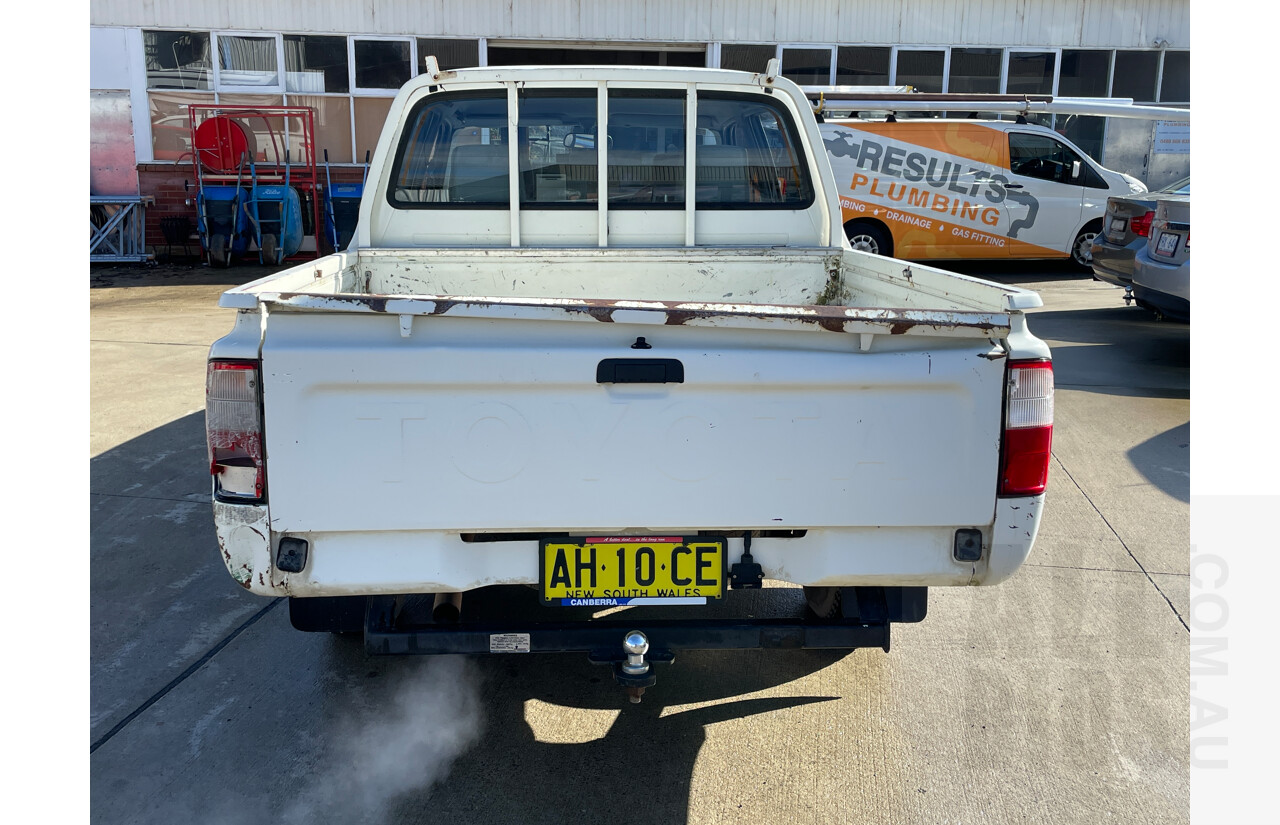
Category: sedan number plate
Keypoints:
(1117, 225)
(1167, 244)
(622, 570)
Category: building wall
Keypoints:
(1129, 24)
(117, 48)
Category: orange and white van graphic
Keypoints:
(944, 189)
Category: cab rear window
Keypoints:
(456, 152)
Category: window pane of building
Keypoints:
(689, 59)
(381, 64)
(921, 69)
(808, 67)
(371, 114)
(975, 71)
(451, 54)
(1135, 76)
(1175, 84)
(247, 61)
(177, 60)
(538, 56)
(1030, 73)
(332, 121)
(170, 128)
(862, 65)
(1084, 73)
(315, 64)
(746, 57)
(266, 135)
(1085, 131)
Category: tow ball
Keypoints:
(635, 674)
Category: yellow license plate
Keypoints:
(620, 570)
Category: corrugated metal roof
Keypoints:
(1087, 23)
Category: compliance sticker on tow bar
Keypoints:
(509, 643)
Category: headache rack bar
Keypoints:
(832, 99)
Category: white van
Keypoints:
(928, 188)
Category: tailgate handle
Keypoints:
(640, 371)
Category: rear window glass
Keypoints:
(646, 149)
(748, 155)
(558, 163)
(455, 152)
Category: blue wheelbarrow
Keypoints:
(341, 207)
(222, 222)
(275, 214)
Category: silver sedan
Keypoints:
(1125, 230)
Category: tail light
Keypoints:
(1141, 225)
(233, 424)
(1028, 429)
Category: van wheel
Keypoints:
(865, 236)
(1082, 247)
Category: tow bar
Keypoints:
(635, 674)
(513, 621)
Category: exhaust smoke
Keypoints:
(402, 741)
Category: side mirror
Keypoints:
(1075, 169)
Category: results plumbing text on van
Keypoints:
(937, 182)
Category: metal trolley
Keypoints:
(250, 191)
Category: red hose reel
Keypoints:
(220, 144)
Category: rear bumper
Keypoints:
(390, 562)
(1162, 287)
(1113, 264)
(1170, 306)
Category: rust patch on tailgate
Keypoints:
(678, 313)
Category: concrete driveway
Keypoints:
(1060, 696)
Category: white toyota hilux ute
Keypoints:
(599, 363)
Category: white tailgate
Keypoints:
(471, 424)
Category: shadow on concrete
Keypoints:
(159, 595)
(161, 601)
(1164, 461)
(1117, 350)
(114, 276)
(168, 462)
(1013, 272)
(1112, 324)
(639, 771)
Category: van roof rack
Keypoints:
(881, 100)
